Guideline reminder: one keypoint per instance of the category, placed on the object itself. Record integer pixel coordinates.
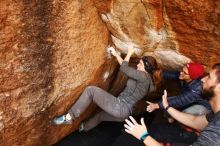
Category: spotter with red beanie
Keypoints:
(189, 99)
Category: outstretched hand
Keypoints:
(164, 99)
(135, 129)
(131, 50)
(152, 106)
(113, 51)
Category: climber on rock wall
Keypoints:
(141, 81)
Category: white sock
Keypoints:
(81, 127)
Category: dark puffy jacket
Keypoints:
(189, 93)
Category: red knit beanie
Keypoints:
(195, 70)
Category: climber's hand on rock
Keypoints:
(112, 51)
(131, 50)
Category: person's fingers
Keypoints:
(128, 127)
(112, 50)
(129, 123)
(131, 47)
(133, 120)
(165, 96)
(149, 109)
(142, 122)
(128, 131)
(165, 92)
(150, 106)
(148, 102)
(163, 99)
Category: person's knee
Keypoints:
(121, 116)
(91, 88)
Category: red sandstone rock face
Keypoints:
(197, 28)
(50, 50)
(171, 31)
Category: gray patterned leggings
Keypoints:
(113, 108)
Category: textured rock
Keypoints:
(172, 31)
(197, 28)
(50, 50)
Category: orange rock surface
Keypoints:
(51, 50)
